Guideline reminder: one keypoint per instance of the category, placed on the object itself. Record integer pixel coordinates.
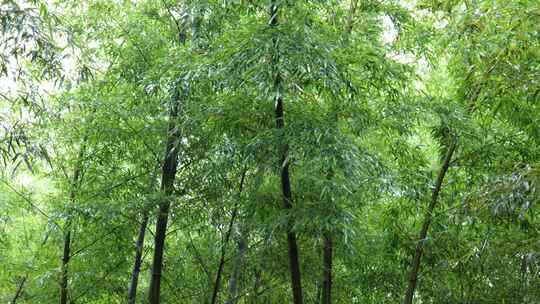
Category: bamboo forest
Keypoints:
(270, 151)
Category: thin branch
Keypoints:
(29, 201)
(226, 241)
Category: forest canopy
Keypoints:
(277, 151)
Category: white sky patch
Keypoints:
(390, 32)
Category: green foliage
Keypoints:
(374, 93)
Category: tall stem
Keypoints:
(217, 282)
(139, 245)
(284, 163)
(170, 165)
(415, 268)
(327, 269)
(237, 268)
(64, 275)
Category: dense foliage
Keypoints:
(359, 151)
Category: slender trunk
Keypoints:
(170, 165)
(256, 286)
(284, 166)
(415, 268)
(200, 260)
(327, 270)
(327, 252)
(325, 289)
(64, 271)
(237, 270)
(318, 297)
(67, 236)
(295, 268)
(19, 290)
(139, 245)
(217, 282)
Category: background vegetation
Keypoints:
(280, 151)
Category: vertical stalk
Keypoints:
(139, 245)
(415, 268)
(217, 281)
(256, 286)
(64, 276)
(327, 269)
(19, 290)
(64, 269)
(327, 256)
(170, 165)
(326, 292)
(284, 162)
(237, 269)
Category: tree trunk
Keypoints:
(67, 236)
(415, 268)
(256, 286)
(64, 271)
(132, 291)
(327, 269)
(237, 270)
(170, 165)
(326, 290)
(327, 251)
(284, 166)
(19, 290)
(217, 282)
